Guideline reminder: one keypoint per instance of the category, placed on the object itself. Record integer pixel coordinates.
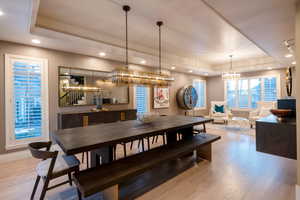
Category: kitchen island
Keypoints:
(277, 137)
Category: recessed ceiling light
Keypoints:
(270, 68)
(143, 62)
(289, 55)
(294, 63)
(190, 71)
(102, 54)
(1, 13)
(35, 41)
(173, 67)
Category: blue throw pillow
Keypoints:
(219, 109)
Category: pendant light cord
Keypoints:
(159, 24)
(126, 39)
(126, 8)
(159, 50)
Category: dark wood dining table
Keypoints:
(99, 139)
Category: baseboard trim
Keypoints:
(9, 157)
(297, 190)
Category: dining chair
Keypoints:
(155, 138)
(140, 141)
(198, 130)
(51, 166)
(124, 144)
(114, 148)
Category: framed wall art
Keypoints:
(161, 98)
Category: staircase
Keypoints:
(70, 98)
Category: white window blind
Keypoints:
(27, 99)
(141, 99)
(26, 96)
(270, 89)
(243, 93)
(255, 91)
(199, 85)
(246, 92)
(231, 93)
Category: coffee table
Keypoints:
(239, 121)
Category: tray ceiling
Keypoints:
(191, 29)
(197, 35)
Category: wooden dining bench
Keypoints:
(107, 176)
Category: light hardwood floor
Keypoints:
(237, 172)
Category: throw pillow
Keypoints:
(219, 109)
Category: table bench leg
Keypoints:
(204, 152)
(106, 154)
(111, 193)
(187, 134)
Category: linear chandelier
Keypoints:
(77, 88)
(81, 89)
(68, 87)
(231, 75)
(127, 76)
(145, 78)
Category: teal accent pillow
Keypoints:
(219, 109)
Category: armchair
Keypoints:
(263, 110)
(219, 112)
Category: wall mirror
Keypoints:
(79, 87)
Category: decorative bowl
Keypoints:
(147, 117)
(281, 114)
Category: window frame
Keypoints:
(205, 94)
(10, 141)
(148, 98)
(237, 108)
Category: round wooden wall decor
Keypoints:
(187, 97)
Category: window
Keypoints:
(142, 99)
(245, 93)
(270, 89)
(255, 91)
(26, 97)
(199, 85)
(231, 93)
(243, 100)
